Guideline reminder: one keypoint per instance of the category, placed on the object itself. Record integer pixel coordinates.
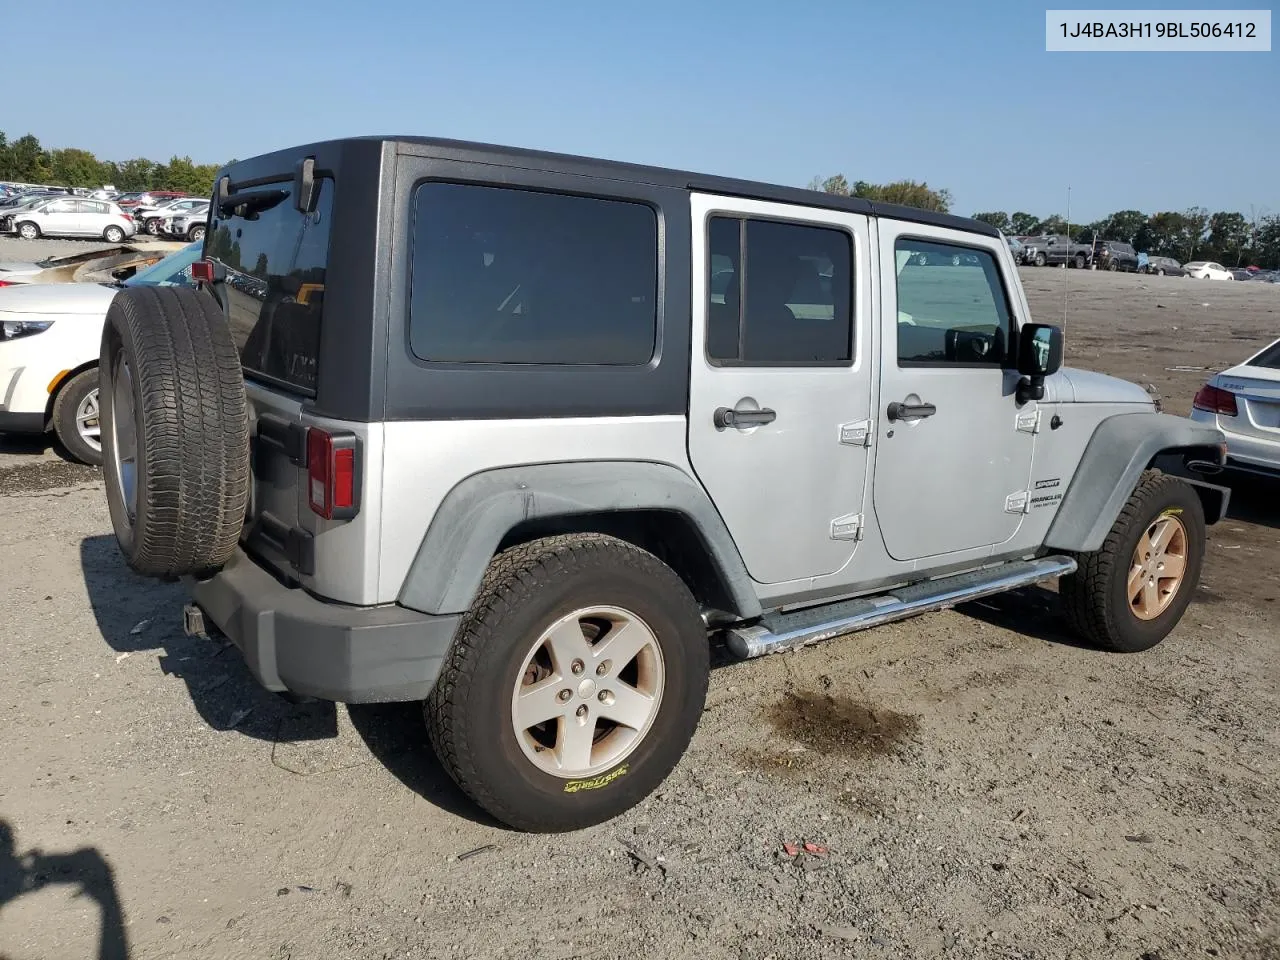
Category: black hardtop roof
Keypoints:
(463, 150)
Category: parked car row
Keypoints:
(1116, 256)
(38, 214)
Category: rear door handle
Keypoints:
(728, 417)
(910, 411)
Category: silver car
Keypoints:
(151, 219)
(186, 224)
(69, 217)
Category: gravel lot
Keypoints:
(983, 786)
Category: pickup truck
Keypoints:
(1055, 249)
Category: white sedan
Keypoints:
(1206, 270)
(1244, 403)
(50, 336)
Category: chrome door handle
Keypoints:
(728, 417)
(910, 411)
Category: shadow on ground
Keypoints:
(1254, 500)
(85, 869)
(137, 614)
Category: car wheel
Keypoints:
(113, 234)
(1080, 261)
(175, 431)
(1130, 593)
(28, 231)
(1113, 266)
(153, 226)
(1160, 272)
(76, 418)
(195, 233)
(574, 684)
(1040, 260)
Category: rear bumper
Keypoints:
(293, 642)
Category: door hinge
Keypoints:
(1017, 502)
(856, 434)
(848, 527)
(1029, 421)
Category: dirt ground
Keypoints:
(983, 786)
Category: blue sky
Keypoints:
(962, 95)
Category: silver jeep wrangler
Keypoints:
(518, 434)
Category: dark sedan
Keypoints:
(1165, 267)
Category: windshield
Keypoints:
(173, 271)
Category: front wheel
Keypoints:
(1080, 261)
(195, 233)
(1160, 273)
(113, 234)
(153, 226)
(29, 231)
(1113, 266)
(1129, 594)
(75, 417)
(574, 685)
(1041, 260)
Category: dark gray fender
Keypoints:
(478, 513)
(1121, 448)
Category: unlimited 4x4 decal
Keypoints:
(595, 783)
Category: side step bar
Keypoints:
(778, 632)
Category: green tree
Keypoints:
(1123, 225)
(1051, 224)
(998, 219)
(1023, 223)
(4, 157)
(1195, 221)
(1229, 236)
(134, 175)
(75, 168)
(183, 175)
(908, 193)
(28, 162)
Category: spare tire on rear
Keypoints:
(175, 431)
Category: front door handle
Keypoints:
(910, 411)
(728, 417)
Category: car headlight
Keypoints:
(13, 329)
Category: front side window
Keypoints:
(952, 308)
(515, 276)
(778, 293)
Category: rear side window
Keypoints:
(779, 293)
(526, 277)
(275, 259)
(1269, 357)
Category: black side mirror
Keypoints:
(1039, 356)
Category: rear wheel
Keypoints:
(76, 417)
(113, 234)
(175, 431)
(574, 684)
(1132, 591)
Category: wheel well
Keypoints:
(670, 536)
(67, 378)
(1179, 462)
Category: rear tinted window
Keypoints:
(1269, 357)
(520, 276)
(275, 258)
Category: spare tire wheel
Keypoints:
(175, 431)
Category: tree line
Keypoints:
(1231, 238)
(24, 160)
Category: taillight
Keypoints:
(1213, 399)
(333, 488)
(202, 271)
(6, 283)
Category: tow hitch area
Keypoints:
(193, 621)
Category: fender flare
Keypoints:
(478, 513)
(1122, 447)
